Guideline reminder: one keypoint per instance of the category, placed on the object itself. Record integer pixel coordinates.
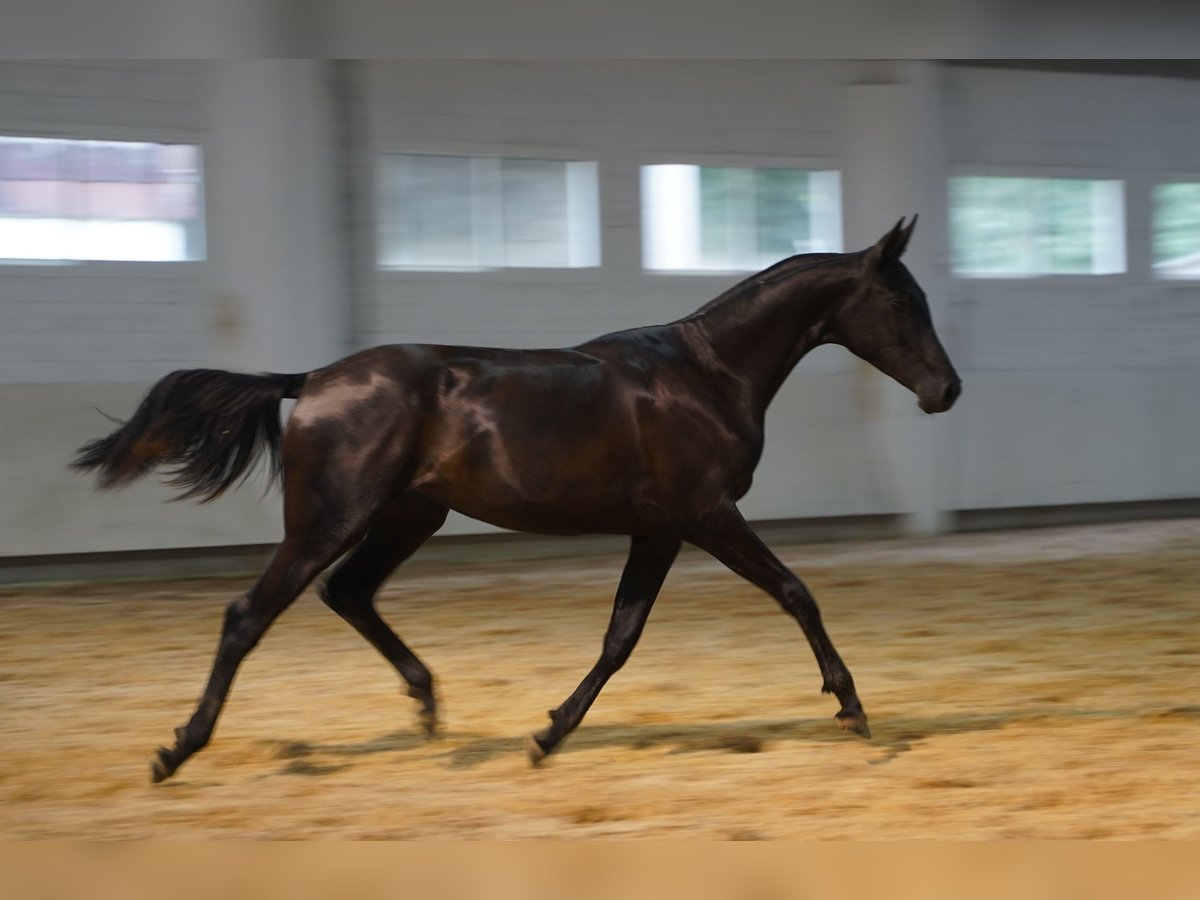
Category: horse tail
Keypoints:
(211, 425)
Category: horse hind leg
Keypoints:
(395, 534)
(330, 499)
(295, 563)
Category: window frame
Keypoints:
(126, 134)
(1129, 188)
(734, 161)
(470, 150)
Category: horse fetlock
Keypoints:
(189, 738)
(424, 693)
(839, 683)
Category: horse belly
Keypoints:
(568, 513)
(545, 481)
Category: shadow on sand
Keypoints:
(892, 737)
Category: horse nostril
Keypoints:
(953, 389)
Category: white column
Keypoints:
(276, 299)
(895, 165)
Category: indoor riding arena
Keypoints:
(1029, 684)
(917, 339)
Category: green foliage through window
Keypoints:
(729, 218)
(1009, 227)
(464, 212)
(1177, 230)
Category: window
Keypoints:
(736, 219)
(461, 212)
(99, 200)
(1011, 227)
(1177, 230)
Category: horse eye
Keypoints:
(898, 302)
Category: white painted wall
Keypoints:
(108, 322)
(1076, 389)
(87, 335)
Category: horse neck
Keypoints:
(756, 333)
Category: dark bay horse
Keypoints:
(652, 433)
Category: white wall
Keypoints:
(108, 322)
(1076, 389)
(75, 337)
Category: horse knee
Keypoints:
(618, 646)
(799, 603)
(615, 655)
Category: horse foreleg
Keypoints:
(728, 538)
(395, 534)
(645, 570)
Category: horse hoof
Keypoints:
(429, 722)
(535, 751)
(160, 767)
(855, 724)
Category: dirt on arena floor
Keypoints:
(1041, 683)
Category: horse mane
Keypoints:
(784, 269)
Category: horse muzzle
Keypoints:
(940, 398)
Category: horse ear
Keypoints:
(893, 244)
(905, 234)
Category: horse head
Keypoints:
(886, 321)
